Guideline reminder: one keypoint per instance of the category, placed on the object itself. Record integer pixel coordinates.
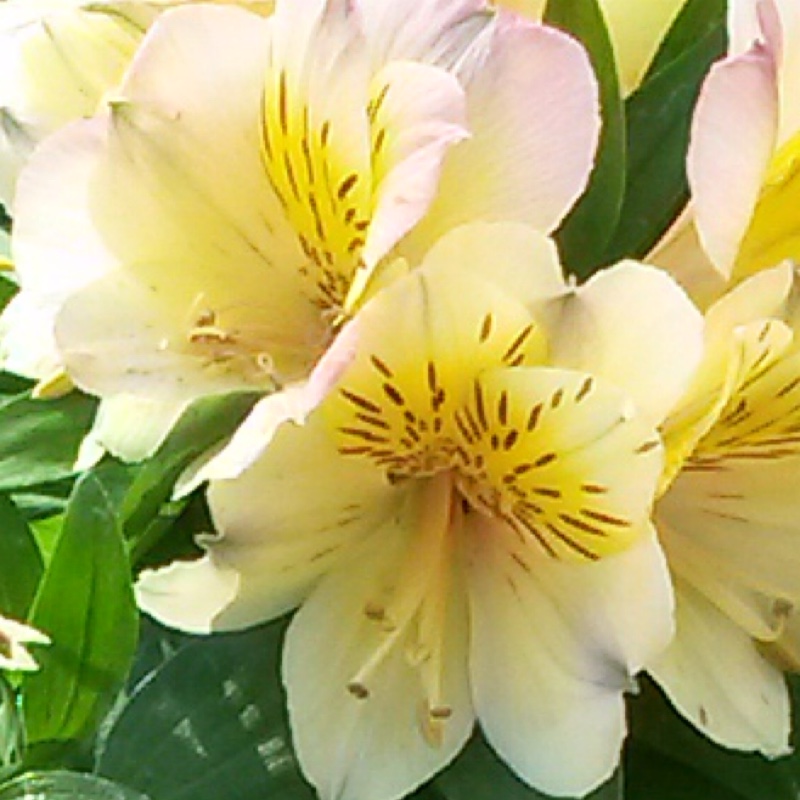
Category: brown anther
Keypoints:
(358, 690)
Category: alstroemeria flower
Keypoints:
(14, 636)
(729, 520)
(636, 28)
(216, 229)
(58, 58)
(743, 156)
(464, 522)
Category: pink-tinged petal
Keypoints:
(660, 331)
(533, 114)
(363, 726)
(554, 646)
(292, 404)
(439, 32)
(418, 113)
(715, 676)
(733, 137)
(284, 523)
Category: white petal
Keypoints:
(553, 649)
(285, 522)
(716, 678)
(631, 315)
(373, 747)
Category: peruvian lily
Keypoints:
(58, 58)
(636, 28)
(14, 636)
(464, 522)
(729, 521)
(743, 156)
(215, 231)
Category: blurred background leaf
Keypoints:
(60, 785)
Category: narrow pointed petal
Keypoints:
(533, 115)
(660, 331)
(554, 647)
(418, 113)
(733, 137)
(717, 679)
(283, 524)
(14, 636)
(372, 742)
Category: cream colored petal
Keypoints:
(283, 524)
(27, 346)
(734, 133)
(363, 727)
(131, 428)
(633, 326)
(681, 254)
(14, 636)
(517, 258)
(533, 115)
(553, 648)
(119, 336)
(714, 675)
(291, 404)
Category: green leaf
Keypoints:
(586, 232)
(697, 19)
(659, 117)
(85, 604)
(59, 785)
(478, 774)
(39, 439)
(203, 425)
(667, 759)
(211, 715)
(7, 287)
(20, 562)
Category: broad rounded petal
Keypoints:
(283, 524)
(718, 680)
(292, 404)
(554, 647)
(631, 314)
(733, 136)
(363, 727)
(533, 114)
(418, 113)
(132, 428)
(519, 259)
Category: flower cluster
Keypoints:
(495, 495)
